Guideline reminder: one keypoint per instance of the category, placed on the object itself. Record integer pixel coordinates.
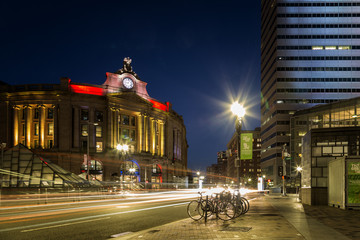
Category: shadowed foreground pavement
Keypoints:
(269, 217)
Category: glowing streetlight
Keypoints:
(299, 168)
(239, 111)
(122, 147)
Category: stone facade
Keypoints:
(64, 122)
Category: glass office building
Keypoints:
(319, 135)
(310, 55)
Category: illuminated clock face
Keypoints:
(128, 83)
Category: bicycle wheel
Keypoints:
(226, 211)
(246, 204)
(238, 207)
(195, 210)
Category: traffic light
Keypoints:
(280, 171)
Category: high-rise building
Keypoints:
(310, 54)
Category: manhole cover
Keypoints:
(236, 229)
(153, 231)
(269, 215)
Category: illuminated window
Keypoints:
(330, 47)
(50, 129)
(125, 134)
(50, 114)
(84, 114)
(99, 146)
(84, 130)
(36, 143)
(36, 129)
(317, 47)
(301, 134)
(344, 48)
(98, 131)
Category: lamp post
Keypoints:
(298, 170)
(198, 174)
(122, 149)
(239, 111)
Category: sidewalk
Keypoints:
(270, 217)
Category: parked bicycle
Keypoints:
(224, 205)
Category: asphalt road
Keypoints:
(92, 219)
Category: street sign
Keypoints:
(246, 146)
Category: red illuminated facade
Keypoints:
(64, 122)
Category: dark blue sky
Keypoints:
(198, 55)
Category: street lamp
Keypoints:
(299, 170)
(239, 111)
(123, 149)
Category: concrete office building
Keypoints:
(310, 54)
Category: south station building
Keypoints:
(127, 135)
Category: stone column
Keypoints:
(16, 125)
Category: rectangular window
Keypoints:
(125, 120)
(125, 134)
(50, 114)
(50, 143)
(36, 129)
(317, 47)
(98, 131)
(99, 146)
(23, 130)
(51, 129)
(36, 113)
(23, 113)
(84, 130)
(84, 145)
(36, 143)
(132, 135)
(84, 114)
(133, 121)
(99, 116)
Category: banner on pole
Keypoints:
(246, 147)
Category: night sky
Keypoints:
(198, 55)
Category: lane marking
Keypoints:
(120, 234)
(63, 225)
